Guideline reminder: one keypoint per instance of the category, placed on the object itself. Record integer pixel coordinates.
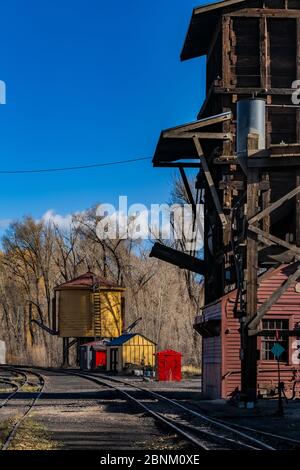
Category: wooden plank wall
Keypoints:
(260, 56)
(288, 307)
(75, 316)
(139, 350)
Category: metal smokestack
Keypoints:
(251, 122)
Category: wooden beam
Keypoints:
(262, 12)
(207, 121)
(266, 200)
(274, 206)
(210, 182)
(298, 110)
(266, 306)
(233, 90)
(177, 165)
(239, 185)
(188, 190)
(268, 239)
(213, 6)
(249, 344)
(226, 21)
(285, 160)
(297, 215)
(200, 135)
(252, 259)
(263, 52)
(178, 258)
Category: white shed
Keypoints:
(2, 352)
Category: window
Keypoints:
(268, 342)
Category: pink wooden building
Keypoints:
(221, 340)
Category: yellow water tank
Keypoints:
(89, 306)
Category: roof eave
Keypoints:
(189, 50)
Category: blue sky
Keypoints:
(88, 82)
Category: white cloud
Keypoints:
(4, 223)
(62, 221)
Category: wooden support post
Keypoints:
(188, 190)
(226, 51)
(249, 352)
(298, 76)
(54, 314)
(65, 352)
(297, 234)
(266, 199)
(297, 221)
(263, 52)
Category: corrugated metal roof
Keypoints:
(88, 280)
(122, 339)
(126, 337)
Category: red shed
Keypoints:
(168, 366)
(221, 340)
(93, 355)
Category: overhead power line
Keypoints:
(70, 168)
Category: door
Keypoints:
(113, 359)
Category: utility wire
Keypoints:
(70, 168)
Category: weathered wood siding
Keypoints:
(288, 307)
(108, 320)
(212, 356)
(75, 317)
(84, 314)
(138, 350)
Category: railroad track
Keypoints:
(193, 426)
(198, 429)
(32, 400)
(278, 441)
(17, 386)
(243, 436)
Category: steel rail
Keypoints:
(17, 424)
(211, 434)
(12, 394)
(157, 416)
(18, 386)
(265, 433)
(103, 380)
(209, 420)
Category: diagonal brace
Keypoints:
(265, 307)
(210, 182)
(269, 239)
(274, 205)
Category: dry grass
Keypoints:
(189, 371)
(28, 388)
(7, 389)
(31, 435)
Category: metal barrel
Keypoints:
(251, 119)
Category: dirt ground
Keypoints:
(76, 414)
